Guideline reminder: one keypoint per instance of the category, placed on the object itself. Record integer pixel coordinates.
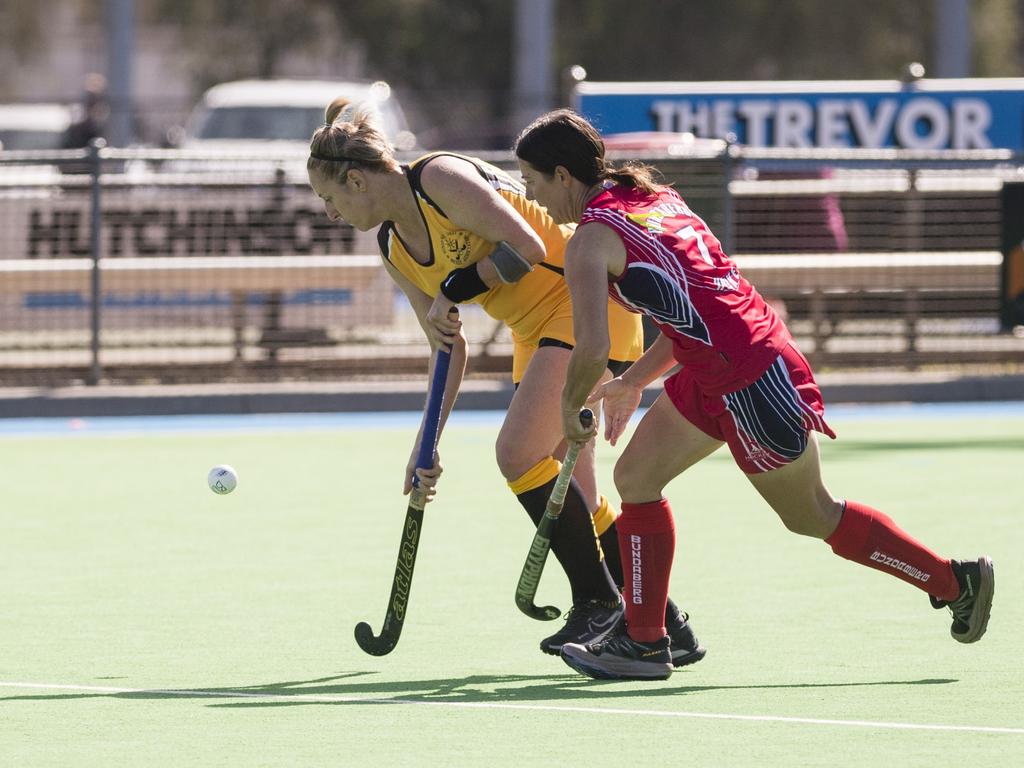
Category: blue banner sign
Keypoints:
(977, 113)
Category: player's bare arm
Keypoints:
(473, 204)
(421, 304)
(621, 396)
(587, 258)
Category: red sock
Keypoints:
(647, 539)
(871, 538)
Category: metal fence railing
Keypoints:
(149, 265)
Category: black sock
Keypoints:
(613, 558)
(574, 544)
(612, 555)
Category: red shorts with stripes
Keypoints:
(766, 424)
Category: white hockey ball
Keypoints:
(222, 479)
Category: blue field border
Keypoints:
(408, 420)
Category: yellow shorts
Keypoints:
(625, 332)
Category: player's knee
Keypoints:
(513, 457)
(817, 521)
(632, 483)
(797, 525)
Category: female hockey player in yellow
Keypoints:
(453, 229)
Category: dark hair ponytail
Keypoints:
(565, 138)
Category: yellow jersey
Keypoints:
(536, 306)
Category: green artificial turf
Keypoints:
(147, 621)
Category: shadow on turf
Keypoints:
(472, 689)
(1009, 443)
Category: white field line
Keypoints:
(329, 698)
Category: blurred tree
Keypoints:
(744, 39)
(455, 53)
(21, 32)
(231, 39)
(21, 22)
(451, 57)
(999, 46)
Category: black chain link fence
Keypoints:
(171, 266)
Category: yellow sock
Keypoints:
(604, 516)
(535, 476)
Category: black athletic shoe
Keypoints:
(620, 657)
(972, 607)
(683, 644)
(585, 623)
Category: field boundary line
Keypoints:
(338, 698)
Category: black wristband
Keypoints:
(462, 284)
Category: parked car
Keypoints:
(254, 113)
(33, 126)
(801, 223)
(660, 143)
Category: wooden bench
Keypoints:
(824, 290)
(271, 277)
(829, 287)
(179, 273)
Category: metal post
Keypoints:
(532, 74)
(953, 38)
(728, 238)
(120, 56)
(913, 214)
(571, 77)
(95, 251)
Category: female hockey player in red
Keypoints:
(742, 382)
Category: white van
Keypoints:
(33, 126)
(285, 112)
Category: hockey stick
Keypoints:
(398, 602)
(529, 579)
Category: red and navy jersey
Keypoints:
(677, 274)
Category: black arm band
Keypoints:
(462, 284)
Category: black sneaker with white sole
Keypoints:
(683, 644)
(620, 657)
(973, 605)
(585, 623)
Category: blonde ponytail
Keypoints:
(349, 138)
